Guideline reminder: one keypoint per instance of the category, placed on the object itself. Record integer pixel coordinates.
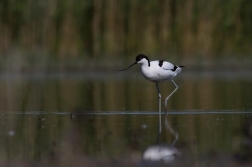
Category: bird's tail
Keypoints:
(178, 70)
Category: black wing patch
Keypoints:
(161, 63)
(174, 68)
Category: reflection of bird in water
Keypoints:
(158, 152)
(157, 71)
(162, 152)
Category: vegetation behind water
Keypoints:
(65, 33)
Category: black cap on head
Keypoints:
(140, 57)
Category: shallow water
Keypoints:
(117, 91)
(111, 119)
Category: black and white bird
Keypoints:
(157, 71)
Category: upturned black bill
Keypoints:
(128, 67)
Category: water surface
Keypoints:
(110, 119)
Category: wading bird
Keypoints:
(157, 71)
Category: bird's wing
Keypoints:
(168, 66)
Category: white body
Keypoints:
(157, 73)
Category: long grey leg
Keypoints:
(159, 97)
(159, 107)
(159, 128)
(167, 98)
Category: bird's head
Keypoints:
(140, 59)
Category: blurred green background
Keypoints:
(60, 57)
(103, 34)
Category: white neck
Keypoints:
(143, 62)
